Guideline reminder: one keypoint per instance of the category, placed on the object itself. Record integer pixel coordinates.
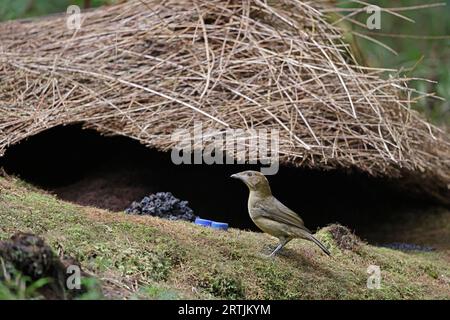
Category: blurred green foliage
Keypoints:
(426, 49)
(14, 9)
(429, 57)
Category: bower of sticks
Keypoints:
(144, 69)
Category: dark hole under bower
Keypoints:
(85, 167)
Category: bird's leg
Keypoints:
(282, 243)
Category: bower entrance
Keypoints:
(84, 167)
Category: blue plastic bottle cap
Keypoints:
(219, 225)
(203, 222)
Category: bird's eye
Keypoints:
(250, 174)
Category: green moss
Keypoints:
(161, 259)
(222, 286)
(430, 270)
(274, 279)
(156, 292)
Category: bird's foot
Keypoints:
(267, 250)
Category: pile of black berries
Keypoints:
(163, 205)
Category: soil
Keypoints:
(114, 190)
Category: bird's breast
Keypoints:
(259, 218)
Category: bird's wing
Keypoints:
(273, 209)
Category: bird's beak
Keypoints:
(235, 176)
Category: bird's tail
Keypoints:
(320, 244)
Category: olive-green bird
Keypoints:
(270, 215)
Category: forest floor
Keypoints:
(141, 257)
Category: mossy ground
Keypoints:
(151, 258)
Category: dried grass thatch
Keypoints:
(145, 68)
